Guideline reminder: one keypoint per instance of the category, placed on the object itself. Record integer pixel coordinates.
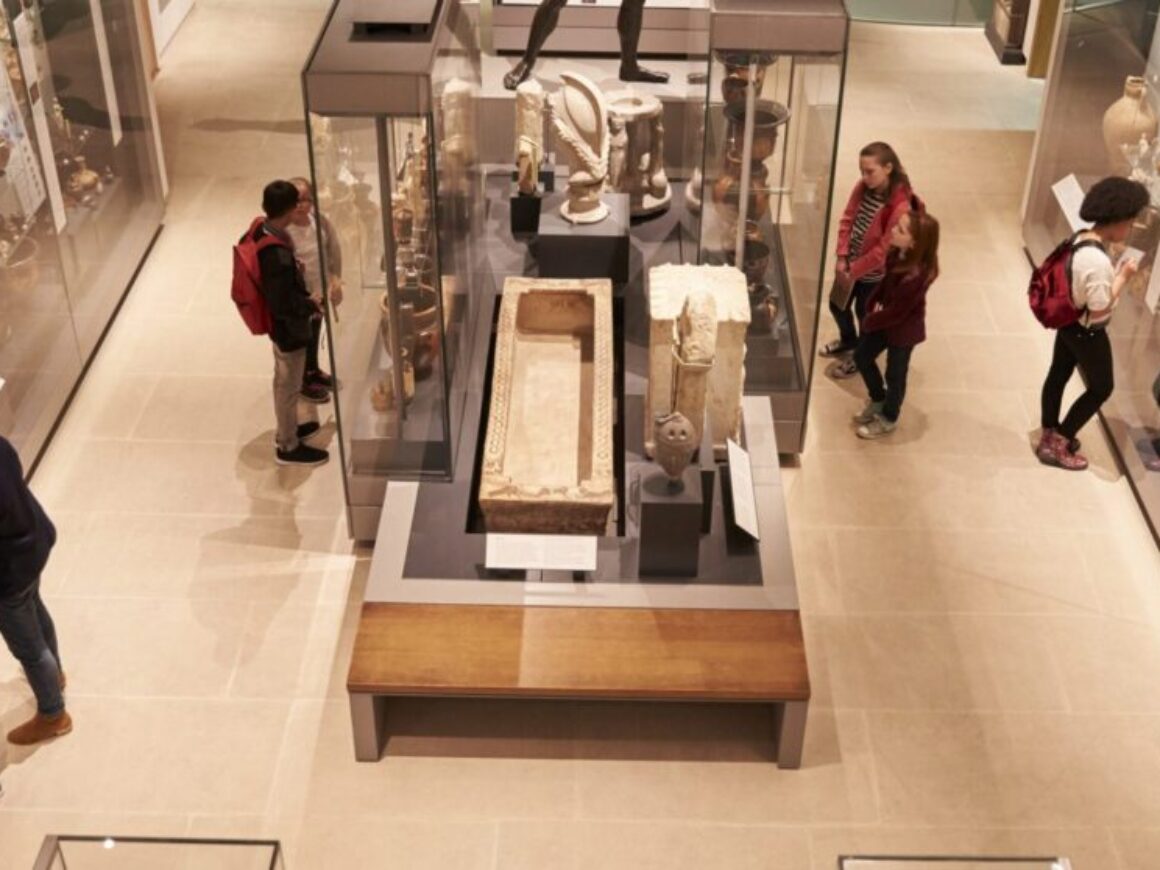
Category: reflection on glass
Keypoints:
(954, 12)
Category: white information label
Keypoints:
(25, 39)
(741, 480)
(541, 552)
(1069, 195)
(106, 71)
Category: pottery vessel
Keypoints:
(768, 119)
(1127, 119)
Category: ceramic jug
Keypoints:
(1126, 120)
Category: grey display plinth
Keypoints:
(599, 250)
(671, 518)
(525, 214)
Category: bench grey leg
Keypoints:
(791, 733)
(368, 720)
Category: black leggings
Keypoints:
(1089, 350)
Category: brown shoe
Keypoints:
(40, 728)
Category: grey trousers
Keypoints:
(289, 367)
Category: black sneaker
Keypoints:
(318, 376)
(315, 393)
(305, 430)
(301, 455)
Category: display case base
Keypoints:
(577, 653)
(671, 519)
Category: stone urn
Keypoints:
(1127, 119)
(768, 119)
(674, 436)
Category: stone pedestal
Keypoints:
(636, 154)
(670, 524)
(668, 287)
(600, 250)
(525, 213)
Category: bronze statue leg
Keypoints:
(543, 23)
(628, 25)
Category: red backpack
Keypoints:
(1049, 292)
(246, 290)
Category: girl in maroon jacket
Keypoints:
(877, 203)
(895, 319)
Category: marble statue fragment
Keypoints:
(529, 136)
(637, 152)
(579, 113)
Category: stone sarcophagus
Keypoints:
(669, 287)
(547, 461)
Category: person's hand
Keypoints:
(843, 265)
(1127, 267)
(335, 291)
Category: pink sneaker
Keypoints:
(1059, 453)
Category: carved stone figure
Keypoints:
(578, 114)
(694, 348)
(547, 459)
(668, 287)
(628, 25)
(459, 134)
(641, 173)
(675, 439)
(529, 136)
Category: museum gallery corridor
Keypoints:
(984, 633)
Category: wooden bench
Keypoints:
(578, 653)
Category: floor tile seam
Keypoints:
(279, 756)
(243, 635)
(994, 713)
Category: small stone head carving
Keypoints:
(674, 436)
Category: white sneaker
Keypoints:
(876, 428)
(844, 369)
(868, 413)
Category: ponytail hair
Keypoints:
(884, 155)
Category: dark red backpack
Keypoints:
(1049, 292)
(246, 290)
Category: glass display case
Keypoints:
(392, 114)
(1100, 118)
(80, 196)
(770, 128)
(62, 852)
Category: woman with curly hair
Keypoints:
(1096, 284)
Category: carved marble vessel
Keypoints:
(636, 160)
(529, 136)
(547, 461)
(668, 288)
(579, 115)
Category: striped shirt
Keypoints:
(872, 203)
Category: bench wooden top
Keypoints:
(579, 652)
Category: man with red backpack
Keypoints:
(290, 311)
(1074, 292)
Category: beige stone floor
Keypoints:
(983, 631)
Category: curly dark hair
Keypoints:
(1112, 200)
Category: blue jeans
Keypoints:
(28, 631)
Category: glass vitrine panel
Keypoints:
(770, 129)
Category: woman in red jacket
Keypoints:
(895, 319)
(878, 201)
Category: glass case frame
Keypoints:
(392, 115)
